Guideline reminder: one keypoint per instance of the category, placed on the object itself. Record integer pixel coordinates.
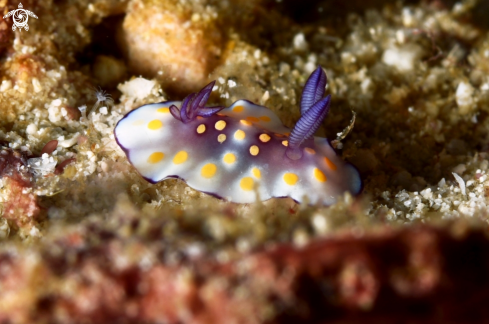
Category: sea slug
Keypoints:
(236, 152)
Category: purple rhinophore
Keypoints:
(314, 109)
(313, 89)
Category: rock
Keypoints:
(108, 70)
(168, 41)
(464, 98)
(403, 58)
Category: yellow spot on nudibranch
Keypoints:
(155, 124)
(238, 109)
(254, 150)
(138, 122)
(229, 158)
(252, 119)
(265, 118)
(201, 128)
(156, 157)
(180, 157)
(285, 143)
(309, 150)
(246, 183)
(221, 138)
(164, 110)
(208, 170)
(256, 172)
(245, 122)
(330, 164)
(239, 134)
(291, 178)
(220, 125)
(264, 138)
(319, 175)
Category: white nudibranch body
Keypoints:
(236, 152)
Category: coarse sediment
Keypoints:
(415, 73)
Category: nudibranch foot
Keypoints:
(239, 151)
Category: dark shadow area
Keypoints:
(104, 41)
(103, 59)
(307, 11)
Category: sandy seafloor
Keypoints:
(90, 241)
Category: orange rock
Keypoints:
(174, 39)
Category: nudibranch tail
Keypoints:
(313, 89)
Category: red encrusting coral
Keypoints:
(421, 274)
(20, 207)
(13, 164)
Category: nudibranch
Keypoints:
(240, 151)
